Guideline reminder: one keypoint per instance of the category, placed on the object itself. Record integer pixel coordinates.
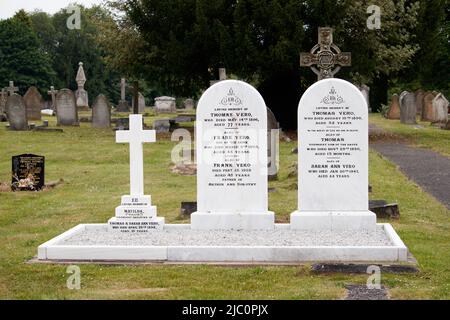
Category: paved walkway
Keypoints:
(429, 169)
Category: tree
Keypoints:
(21, 56)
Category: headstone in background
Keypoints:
(81, 95)
(52, 92)
(141, 103)
(66, 108)
(122, 123)
(165, 105)
(3, 98)
(222, 76)
(161, 125)
(12, 89)
(34, 103)
(16, 112)
(394, 109)
(123, 105)
(136, 214)
(101, 112)
(273, 136)
(427, 109)
(419, 101)
(333, 148)
(365, 90)
(440, 106)
(28, 172)
(231, 142)
(408, 108)
(189, 104)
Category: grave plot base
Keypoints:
(233, 221)
(321, 220)
(90, 247)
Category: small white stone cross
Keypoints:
(136, 136)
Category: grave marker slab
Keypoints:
(101, 112)
(34, 103)
(333, 159)
(428, 110)
(231, 145)
(419, 101)
(66, 108)
(165, 105)
(440, 107)
(394, 110)
(408, 108)
(17, 113)
(28, 172)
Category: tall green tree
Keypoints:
(22, 58)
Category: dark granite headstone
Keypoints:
(28, 172)
(122, 124)
(161, 125)
(17, 113)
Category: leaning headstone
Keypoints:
(408, 108)
(136, 214)
(189, 104)
(419, 101)
(333, 159)
(165, 105)
(440, 107)
(81, 94)
(66, 108)
(34, 103)
(394, 109)
(101, 112)
(28, 172)
(231, 144)
(273, 136)
(16, 112)
(427, 109)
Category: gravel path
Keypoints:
(427, 168)
(277, 237)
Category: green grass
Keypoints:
(426, 136)
(95, 170)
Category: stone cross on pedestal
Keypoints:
(122, 88)
(222, 76)
(81, 94)
(136, 212)
(326, 56)
(11, 89)
(52, 92)
(135, 136)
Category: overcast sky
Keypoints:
(9, 7)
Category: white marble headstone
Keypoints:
(333, 158)
(231, 142)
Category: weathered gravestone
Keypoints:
(66, 108)
(427, 109)
(394, 109)
(231, 144)
(17, 113)
(333, 159)
(419, 101)
(28, 172)
(81, 94)
(123, 105)
(365, 90)
(161, 125)
(34, 103)
(440, 107)
(408, 108)
(141, 103)
(165, 105)
(189, 104)
(101, 112)
(273, 136)
(122, 123)
(136, 213)
(52, 92)
(3, 98)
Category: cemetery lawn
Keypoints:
(96, 173)
(423, 135)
